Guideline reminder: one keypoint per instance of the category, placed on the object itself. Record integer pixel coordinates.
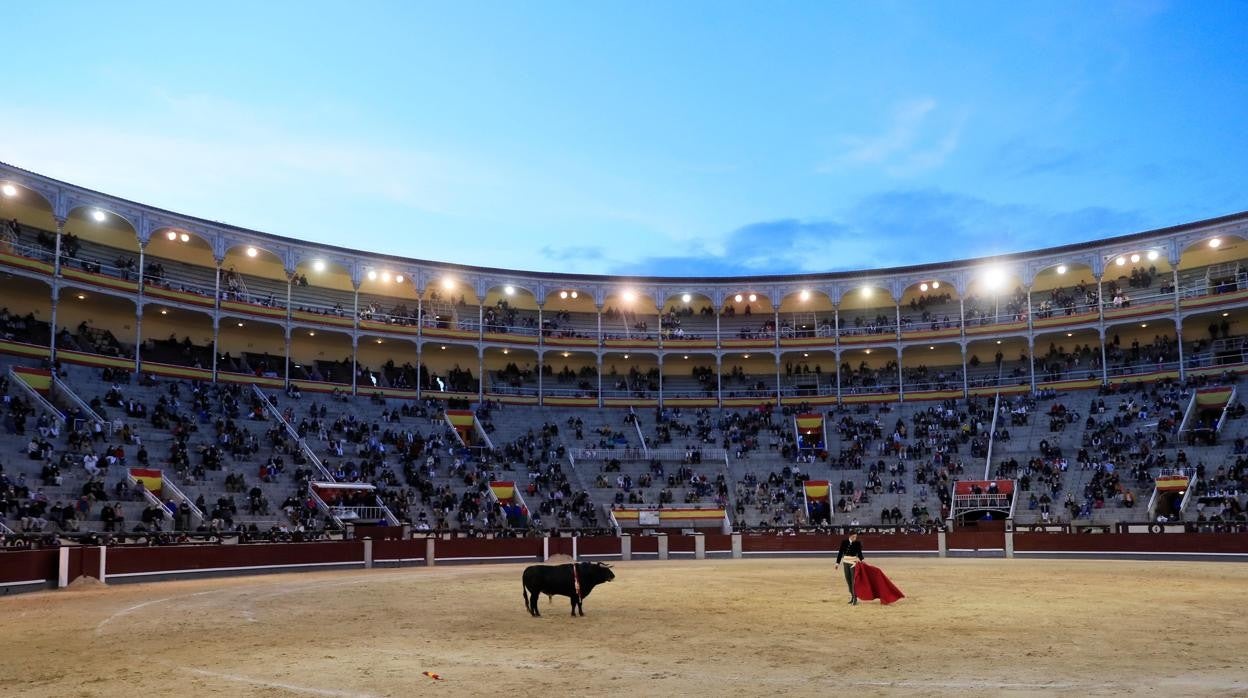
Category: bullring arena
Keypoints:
(242, 464)
(969, 626)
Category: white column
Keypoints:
(368, 553)
(699, 546)
(430, 557)
(626, 547)
(736, 546)
(662, 546)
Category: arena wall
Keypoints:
(25, 570)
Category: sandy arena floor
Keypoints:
(753, 627)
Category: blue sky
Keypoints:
(689, 138)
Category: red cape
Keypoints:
(870, 583)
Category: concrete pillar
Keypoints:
(699, 546)
(626, 547)
(62, 568)
(574, 553)
(736, 546)
(545, 548)
(662, 546)
(430, 557)
(407, 531)
(103, 564)
(942, 544)
(368, 553)
(1009, 543)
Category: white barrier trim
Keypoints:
(399, 559)
(23, 583)
(198, 570)
(491, 557)
(834, 552)
(1121, 552)
(62, 572)
(976, 550)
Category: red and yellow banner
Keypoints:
(151, 479)
(809, 423)
(37, 378)
(503, 489)
(1212, 398)
(671, 514)
(817, 489)
(1172, 483)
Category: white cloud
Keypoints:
(919, 137)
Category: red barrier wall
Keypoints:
(645, 544)
(399, 549)
(717, 542)
(205, 557)
(899, 542)
(28, 565)
(598, 545)
(976, 540)
(680, 544)
(491, 548)
(1210, 543)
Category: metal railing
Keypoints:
(36, 396)
(292, 433)
(197, 516)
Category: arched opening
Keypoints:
(569, 313)
(628, 375)
(96, 323)
(511, 372)
(1064, 293)
(509, 310)
(322, 286)
(26, 311)
(998, 362)
(688, 318)
(1145, 346)
(1215, 340)
(176, 336)
(995, 296)
(807, 313)
(252, 274)
(750, 375)
(391, 361)
(932, 367)
(1213, 265)
(572, 374)
(689, 376)
(27, 226)
(388, 299)
(450, 368)
(177, 259)
(250, 346)
(869, 371)
(930, 307)
(867, 310)
(808, 374)
(629, 316)
(322, 356)
(1070, 355)
(747, 315)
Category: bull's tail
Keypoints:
(525, 592)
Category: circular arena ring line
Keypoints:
(725, 627)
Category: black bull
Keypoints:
(558, 579)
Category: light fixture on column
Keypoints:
(753, 297)
(185, 237)
(935, 284)
(398, 278)
(252, 252)
(385, 276)
(98, 215)
(1135, 258)
(509, 290)
(1215, 243)
(1153, 255)
(318, 265)
(923, 287)
(1062, 269)
(372, 274)
(685, 297)
(804, 295)
(172, 235)
(629, 295)
(738, 298)
(9, 190)
(1121, 261)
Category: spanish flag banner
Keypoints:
(37, 378)
(150, 478)
(1171, 483)
(809, 423)
(817, 489)
(462, 420)
(504, 490)
(1213, 398)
